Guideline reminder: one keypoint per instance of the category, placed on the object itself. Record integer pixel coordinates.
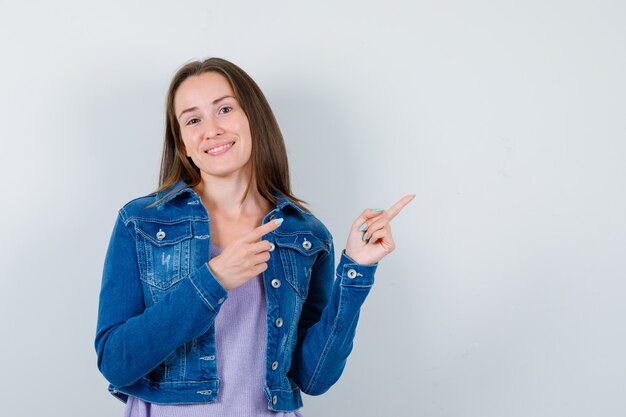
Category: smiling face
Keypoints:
(213, 126)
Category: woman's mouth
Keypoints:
(219, 150)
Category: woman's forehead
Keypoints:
(202, 89)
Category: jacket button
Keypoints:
(272, 217)
(220, 301)
(275, 283)
(351, 273)
(274, 367)
(274, 400)
(306, 244)
(271, 246)
(160, 234)
(279, 322)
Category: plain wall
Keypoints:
(505, 295)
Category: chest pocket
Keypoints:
(165, 250)
(298, 253)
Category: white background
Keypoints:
(505, 295)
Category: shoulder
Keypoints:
(171, 204)
(298, 220)
(139, 207)
(301, 223)
(318, 227)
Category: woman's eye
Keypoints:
(189, 122)
(227, 107)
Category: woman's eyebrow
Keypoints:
(195, 108)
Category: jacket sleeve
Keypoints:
(132, 340)
(328, 321)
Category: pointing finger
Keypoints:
(399, 205)
(264, 229)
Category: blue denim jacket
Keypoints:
(155, 338)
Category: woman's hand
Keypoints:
(370, 237)
(245, 258)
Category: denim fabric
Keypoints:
(155, 338)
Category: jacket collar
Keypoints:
(183, 188)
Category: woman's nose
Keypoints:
(213, 127)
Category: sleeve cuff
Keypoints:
(208, 287)
(355, 274)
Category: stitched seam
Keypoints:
(331, 338)
(210, 381)
(283, 389)
(162, 221)
(307, 232)
(201, 296)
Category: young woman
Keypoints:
(220, 295)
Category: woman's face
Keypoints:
(213, 126)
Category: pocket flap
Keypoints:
(305, 243)
(161, 234)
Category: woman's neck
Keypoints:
(222, 199)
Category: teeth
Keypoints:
(219, 148)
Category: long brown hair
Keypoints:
(270, 167)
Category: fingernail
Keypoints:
(278, 221)
(377, 209)
(365, 236)
(363, 226)
(370, 241)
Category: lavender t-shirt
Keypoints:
(240, 328)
